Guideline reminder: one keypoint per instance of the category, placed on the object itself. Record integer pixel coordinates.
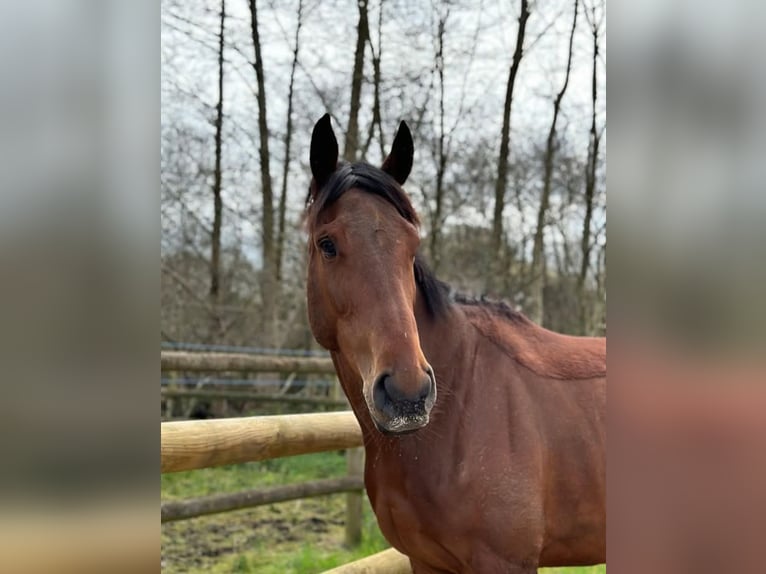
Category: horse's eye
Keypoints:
(328, 247)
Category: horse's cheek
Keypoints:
(322, 326)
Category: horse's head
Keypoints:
(363, 236)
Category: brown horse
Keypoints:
(505, 471)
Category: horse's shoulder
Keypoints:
(562, 356)
(542, 351)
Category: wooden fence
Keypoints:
(175, 361)
(237, 395)
(233, 362)
(183, 509)
(189, 445)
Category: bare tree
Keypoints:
(267, 216)
(376, 115)
(215, 238)
(502, 162)
(362, 36)
(534, 306)
(590, 171)
(436, 223)
(288, 141)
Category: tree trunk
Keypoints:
(268, 283)
(590, 186)
(215, 235)
(288, 141)
(436, 223)
(352, 133)
(502, 162)
(534, 308)
(215, 240)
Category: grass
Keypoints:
(302, 537)
(304, 557)
(252, 475)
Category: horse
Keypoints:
(484, 433)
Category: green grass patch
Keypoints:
(302, 557)
(237, 477)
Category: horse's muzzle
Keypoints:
(395, 410)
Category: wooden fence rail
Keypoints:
(233, 362)
(183, 509)
(186, 445)
(389, 561)
(236, 395)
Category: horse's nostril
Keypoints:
(393, 391)
(425, 389)
(429, 385)
(380, 394)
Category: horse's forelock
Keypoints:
(364, 177)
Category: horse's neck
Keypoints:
(452, 347)
(446, 342)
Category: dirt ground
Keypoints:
(200, 543)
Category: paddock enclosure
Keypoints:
(197, 444)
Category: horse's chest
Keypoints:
(423, 518)
(450, 517)
(421, 533)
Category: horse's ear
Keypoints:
(399, 162)
(324, 151)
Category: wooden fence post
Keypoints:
(355, 466)
(169, 402)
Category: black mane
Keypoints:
(437, 295)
